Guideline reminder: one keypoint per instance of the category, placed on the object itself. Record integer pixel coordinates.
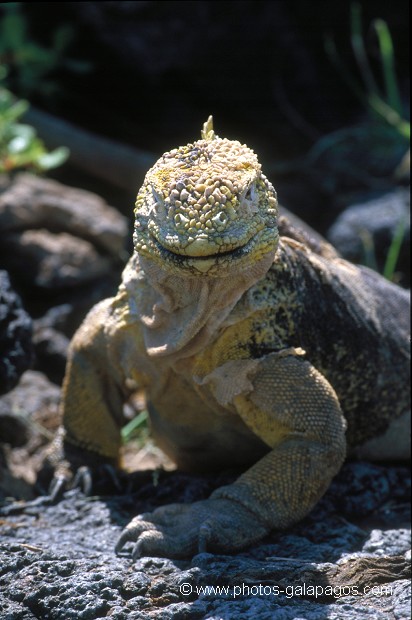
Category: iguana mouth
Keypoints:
(179, 258)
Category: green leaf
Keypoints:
(9, 111)
(19, 145)
(23, 136)
(394, 250)
(359, 50)
(53, 159)
(388, 65)
(136, 423)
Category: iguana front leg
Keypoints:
(94, 391)
(292, 407)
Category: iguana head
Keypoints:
(205, 207)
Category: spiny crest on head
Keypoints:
(207, 132)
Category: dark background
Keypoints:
(160, 68)
(154, 70)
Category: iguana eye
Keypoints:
(248, 200)
(250, 193)
(156, 195)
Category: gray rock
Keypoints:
(30, 202)
(53, 236)
(29, 416)
(363, 232)
(65, 249)
(33, 395)
(51, 348)
(53, 260)
(392, 542)
(57, 562)
(13, 429)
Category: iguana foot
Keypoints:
(182, 530)
(56, 492)
(64, 485)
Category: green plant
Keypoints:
(369, 153)
(136, 428)
(29, 65)
(384, 102)
(20, 147)
(369, 252)
(394, 251)
(388, 131)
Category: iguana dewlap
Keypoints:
(255, 349)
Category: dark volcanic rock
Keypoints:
(51, 348)
(30, 202)
(15, 336)
(13, 429)
(29, 418)
(54, 236)
(57, 562)
(64, 249)
(53, 260)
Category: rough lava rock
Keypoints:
(53, 260)
(65, 249)
(56, 236)
(30, 202)
(348, 559)
(57, 562)
(29, 418)
(16, 349)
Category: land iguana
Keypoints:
(255, 349)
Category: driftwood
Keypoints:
(121, 165)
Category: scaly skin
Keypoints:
(254, 350)
(197, 211)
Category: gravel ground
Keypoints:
(348, 559)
